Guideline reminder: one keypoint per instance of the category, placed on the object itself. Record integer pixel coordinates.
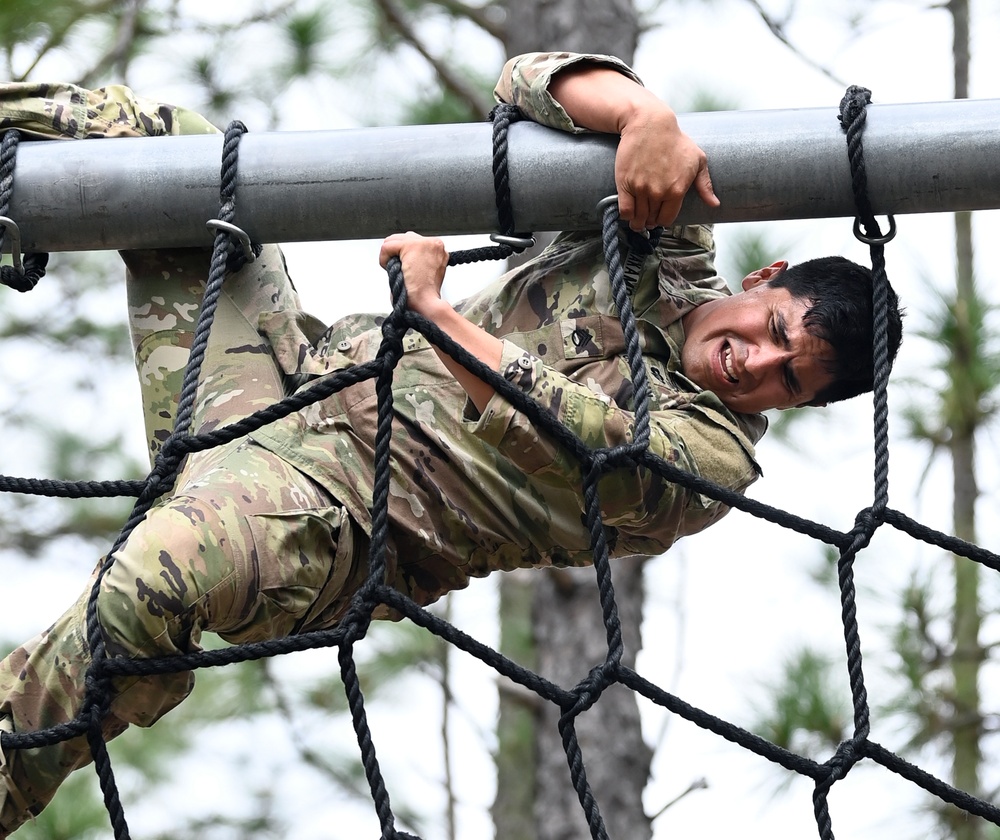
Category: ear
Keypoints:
(762, 275)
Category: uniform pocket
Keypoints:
(301, 562)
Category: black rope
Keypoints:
(229, 255)
(510, 241)
(33, 269)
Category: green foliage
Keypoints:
(437, 106)
(76, 813)
(920, 644)
(745, 249)
(967, 367)
(31, 29)
(306, 33)
(708, 100)
(805, 712)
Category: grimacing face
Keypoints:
(752, 350)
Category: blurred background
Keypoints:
(742, 621)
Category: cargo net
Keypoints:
(229, 254)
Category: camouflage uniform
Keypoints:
(268, 536)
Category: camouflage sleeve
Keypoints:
(64, 111)
(648, 511)
(524, 82)
(686, 256)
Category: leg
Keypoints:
(248, 548)
(165, 286)
(193, 564)
(239, 374)
(68, 112)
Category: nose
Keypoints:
(765, 360)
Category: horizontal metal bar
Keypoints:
(366, 183)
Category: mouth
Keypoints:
(726, 364)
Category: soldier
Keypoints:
(268, 536)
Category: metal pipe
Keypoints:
(365, 183)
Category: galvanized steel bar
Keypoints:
(365, 183)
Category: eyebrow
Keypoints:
(781, 329)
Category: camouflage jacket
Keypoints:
(471, 494)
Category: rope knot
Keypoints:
(164, 472)
(852, 107)
(588, 691)
(847, 755)
(865, 524)
(26, 280)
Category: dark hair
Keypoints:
(840, 312)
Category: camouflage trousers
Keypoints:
(245, 546)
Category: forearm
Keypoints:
(525, 81)
(648, 509)
(656, 163)
(600, 98)
(485, 347)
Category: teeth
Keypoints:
(727, 363)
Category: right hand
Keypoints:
(424, 260)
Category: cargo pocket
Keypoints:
(300, 563)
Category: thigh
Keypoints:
(248, 548)
(239, 374)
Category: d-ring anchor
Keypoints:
(516, 242)
(239, 233)
(875, 240)
(606, 202)
(14, 232)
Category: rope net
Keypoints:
(572, 702)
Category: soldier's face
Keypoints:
(752, 350)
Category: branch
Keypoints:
(450, 81)
(127, 26)
(479, 15)
(306, 753)
(57, 36)
(778, 30)
(265, 16)
(697, 784)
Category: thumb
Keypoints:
(703, 184)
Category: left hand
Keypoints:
(655, 166)
(424, 261)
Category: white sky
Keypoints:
(745, 599)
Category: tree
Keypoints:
(940, 663)
(965, 407)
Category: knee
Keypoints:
(173, 577)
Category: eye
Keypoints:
(789, 379)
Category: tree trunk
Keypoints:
(584, 26)
(572, 639)
(567, 628)
(967, 619)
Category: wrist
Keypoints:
(643, 109)
(432, 307)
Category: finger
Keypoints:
(640, 212)
(626, 205)
(667, 213)
(389, 249)
(703, 184)
(393, 245)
